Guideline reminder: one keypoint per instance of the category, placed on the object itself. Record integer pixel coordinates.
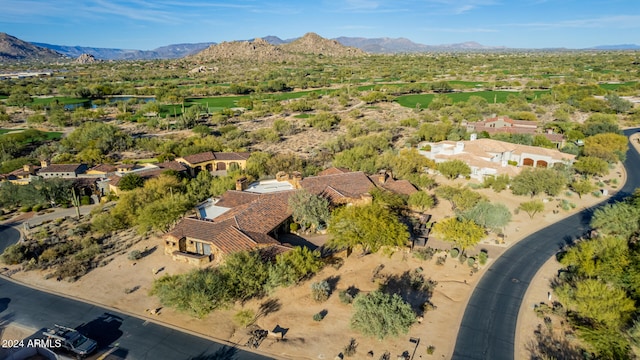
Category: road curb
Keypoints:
(146, 318)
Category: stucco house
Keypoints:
(253, 216)
(504, 124)
(214, 161)
(487, 157)
(21, 176)
(67, 171)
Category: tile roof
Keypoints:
(223, 235)
(233, 198)
(403, 187)
(172, 165)
(351, 184)
(228, 156)
(61, 168)
(199, 158)
(105, 168)
(263, 214)
(210, 156)
(333, 171)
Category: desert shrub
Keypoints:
(454, 253)
(135, 255)
(350, 350)
(37, 207)
(471, 261)
(85, 200)
(318, 316)
(293, 227)
(430, 349)
(25, 208)
(483, 256)
(441, 260)
(245, 317)
(15, 254)
(72, 269)
(462, 258)
(320, 291)
(380, 315)
(424, 253)
(345, 297)
(596, 193)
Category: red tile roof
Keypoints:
(233, 198)
(263, 214)
(229, 156)
(61, 168)
(210, 156)
(172, 165)
(351, 184)
(105, 168)
(333, 171)
(199, 158)
(403, 187)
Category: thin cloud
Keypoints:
(617, 21)
(457, 7)
(460, 30)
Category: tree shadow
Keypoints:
(333, 283)
(548, 345)
(4, 304)
(224, 353)
(268, 307)
(148, 251)
(412, 287)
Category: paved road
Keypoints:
(127, 337)
(489, 324)
(121, 336)
(8, 236)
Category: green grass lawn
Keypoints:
(4, 131)
(31, 135)
(425, 99)
(617, 86)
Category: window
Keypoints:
(203, 249)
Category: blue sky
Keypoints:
(148, 24)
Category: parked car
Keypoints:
(71, 340)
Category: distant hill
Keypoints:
(617, 47)
(14, 49)
(261, 50)
(404, 45)
(312, 43)
(165, 52)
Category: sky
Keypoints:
(148, 24)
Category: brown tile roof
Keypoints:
(61, 168)
(351, 184)
(233, 198)
(223, 235)
(403, 187)
(105, 168)
(199, 158)
(172, 165)
(333, 171)
(229, 156)
(263, 214)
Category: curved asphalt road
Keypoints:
(489, 324)
(121, 336)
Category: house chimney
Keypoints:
(44, 163)
(382, 176)
(241, 183)
(295, 179)
(26, 168)
(282, 176)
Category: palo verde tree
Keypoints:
(452, 169)
(488, 215)
(369, 226)
(537, 181)
(309, 209)
(532, 207)
(462, 233)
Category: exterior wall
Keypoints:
(66, 175)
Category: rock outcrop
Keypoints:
(86, 59)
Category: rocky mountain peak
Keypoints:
(86, 59)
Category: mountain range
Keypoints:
(14, 49)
